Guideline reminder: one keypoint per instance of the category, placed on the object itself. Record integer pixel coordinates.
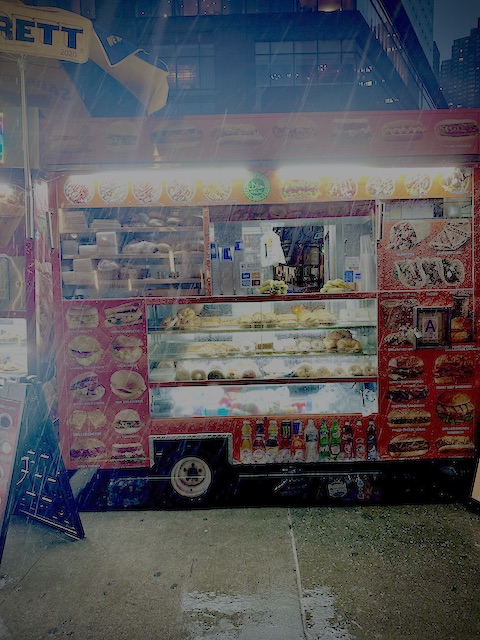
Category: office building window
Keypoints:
(166, 8)
(305, 63)
(190, 66)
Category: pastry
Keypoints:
(199, 374)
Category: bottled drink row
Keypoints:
(319, 440)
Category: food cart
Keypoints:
(266, 296)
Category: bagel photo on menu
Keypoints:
(85, 350)
(127, 384)
(126, 348)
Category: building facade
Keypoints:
(460, 75)
(254, 56)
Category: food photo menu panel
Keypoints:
(425, 254)
(427, 395)
(104, 415)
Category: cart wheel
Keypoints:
(191, 478)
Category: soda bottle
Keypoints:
(246, 454)
(258, 447)
(347, 442)
(360, 451)
(285, 440)
(335, 439)
(324, 447)
(372, 451)
(271, 445)
(298, 444)
(311, 442)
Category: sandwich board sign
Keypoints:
(34, 480)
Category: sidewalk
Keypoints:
(329, 573)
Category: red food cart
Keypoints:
(268, 296)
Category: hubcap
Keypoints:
(191, 477)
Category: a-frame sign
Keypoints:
(33, 478)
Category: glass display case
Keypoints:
(263, 357)
(116, 252)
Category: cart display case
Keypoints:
(262, 357)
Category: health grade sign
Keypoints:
(44, 32)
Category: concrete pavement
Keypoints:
(329, 573)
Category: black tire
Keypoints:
(192, 475)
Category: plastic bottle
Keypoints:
(215, 269)
(311, 442)
(298, 444)
(324, 446)
(238, 260)
(258, 446)
(372, 451)
(246, 453)
(271, 445)
(335, 440)
(347, 442)
(360, 450)
(227, 272)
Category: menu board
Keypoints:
(428, 395)
(425, 254)
(322, 183)
(254, 137)
(104, 412)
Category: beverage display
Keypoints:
(271, 445)
(311, 442)
(360, 449)
(258, 446)
(246, 451)
(298, 443)
(285, 440)
(324, 441)
(348, 445)
(372, 450)
(335, 440)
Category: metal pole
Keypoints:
(29, 230)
